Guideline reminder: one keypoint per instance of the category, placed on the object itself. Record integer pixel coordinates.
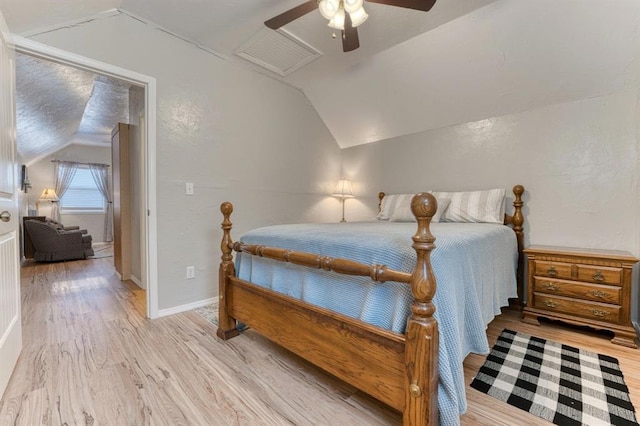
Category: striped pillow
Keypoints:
(404, 214)
(391, 203)
(474, 206)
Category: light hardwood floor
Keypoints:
(90, 357)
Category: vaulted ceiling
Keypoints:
(58, 105)
(464, 61)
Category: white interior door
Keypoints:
(10, 322)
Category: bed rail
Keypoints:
(378, 273)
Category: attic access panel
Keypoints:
(278, 51)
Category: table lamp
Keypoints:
(343, 191)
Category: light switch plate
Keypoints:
(189, 188)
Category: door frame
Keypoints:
(40, 50)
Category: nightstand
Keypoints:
(583, 287)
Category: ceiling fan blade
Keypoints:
(291, 15)
(350, 40)
(423, 5)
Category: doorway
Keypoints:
(147, 202)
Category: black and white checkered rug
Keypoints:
(559, 383)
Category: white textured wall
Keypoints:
(578, 162)
(42, 175)
(237, 135)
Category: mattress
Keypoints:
(474, 265)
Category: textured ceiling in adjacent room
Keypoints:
(58, 105)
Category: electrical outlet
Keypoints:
(191, 272)
(189, 188)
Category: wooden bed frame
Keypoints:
(400, 370)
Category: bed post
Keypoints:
(380, 197)
(518, 228)
(421, 349)
(226, 324)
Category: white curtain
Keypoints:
(65, 171)
(101, 178)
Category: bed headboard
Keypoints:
(517, 223)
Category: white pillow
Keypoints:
(474, 206)
(403, 213)
(392, 202)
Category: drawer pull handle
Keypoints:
(598, 313)
(551, 304)
(598, 293)
(552, 271)
(551, 286)
(598, 277)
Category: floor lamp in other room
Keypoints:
(48, 196)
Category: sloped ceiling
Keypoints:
(508, 57)
(58, 105)
(463, 61)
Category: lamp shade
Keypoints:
(328, 8)
(343, 189)
(358, 17)
(49, 195)
(337, 22)
(352, 5)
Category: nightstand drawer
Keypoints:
(554, 269)
(600, 274)
(593, 311)
(594, 292)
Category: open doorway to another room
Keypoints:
(67, 115)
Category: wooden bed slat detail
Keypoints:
(378, 273)
(369, 358)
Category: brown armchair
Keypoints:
(59, 225)
(52, 243)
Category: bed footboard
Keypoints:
(400, 370)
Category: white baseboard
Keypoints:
(186, 307)
(100, 244)
(137, 281)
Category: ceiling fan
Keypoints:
(343, 15)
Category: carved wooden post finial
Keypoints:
(226, 209)
(421, 350)
(518, 217)
(380, 197)
(226, 324)
(423, 207)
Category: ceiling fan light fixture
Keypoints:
(352, 6)
(328, 8)
(358, 17)
(337, 22)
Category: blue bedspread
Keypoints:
(474, 264)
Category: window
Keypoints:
(83, 196)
